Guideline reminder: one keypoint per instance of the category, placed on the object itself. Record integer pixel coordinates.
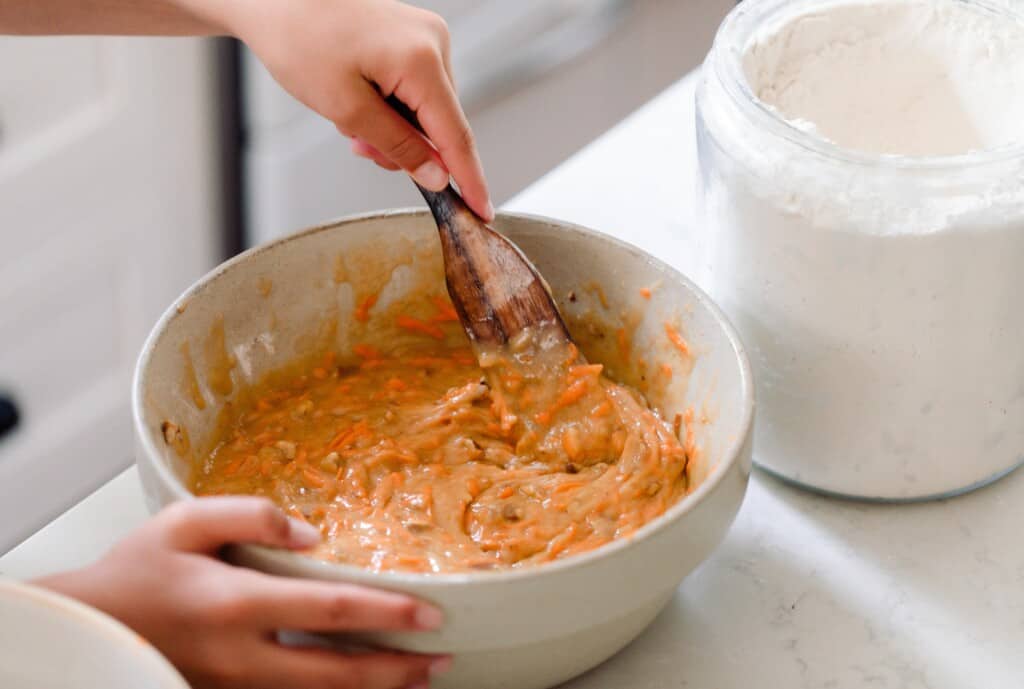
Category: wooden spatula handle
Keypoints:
(447, 199)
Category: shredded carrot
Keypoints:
(506, 492)
(526, 398)
(362, 313)
(339, 439)
(418, 564)
(397, 385)
(690, 442)
(366, 351)
(263, 438)
(666, 370)
(622, 339)
(464, 359)
(383, 492)
(561, 542)
(349, 436)
(567, 486)
(573, 353)
(415, 325)
(603, 409)
(250, 467)
(232, 468)
(498, 408)
(571, 444)
(583, 370)
(573, 393)
(446, 313)
(645, 292)
(428, 499)
(677, 340)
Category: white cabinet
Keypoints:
(109, 205)
(539, 79)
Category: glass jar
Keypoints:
(881, 297)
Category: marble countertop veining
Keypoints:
(806, 592)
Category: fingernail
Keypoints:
(428, 617)
(431, 176)
(489, 210)
(440, 666)
(303, 535)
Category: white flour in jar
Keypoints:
(880, 297)
(918, 78)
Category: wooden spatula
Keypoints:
(495, 289)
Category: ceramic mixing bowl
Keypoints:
(48, 641)
(516, 628)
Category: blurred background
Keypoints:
(129, 167)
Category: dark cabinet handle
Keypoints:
(9, 415)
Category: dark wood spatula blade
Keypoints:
(495, 289)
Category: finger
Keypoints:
(378, 125)
(208, 524)
(449, 71)
(442, 39)
(320, 606)
(442, 118)
(313, 668)
(446, 53)
(365, 150)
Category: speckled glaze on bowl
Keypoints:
(509, 629)
(48, 641)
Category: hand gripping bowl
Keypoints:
(517, 628)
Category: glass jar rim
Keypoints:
(726, 61)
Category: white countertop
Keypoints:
(805, 592)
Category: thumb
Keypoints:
(207, 524)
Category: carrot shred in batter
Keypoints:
(677, 340)
(362, 313)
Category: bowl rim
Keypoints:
(338, 571)
(98, 623)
